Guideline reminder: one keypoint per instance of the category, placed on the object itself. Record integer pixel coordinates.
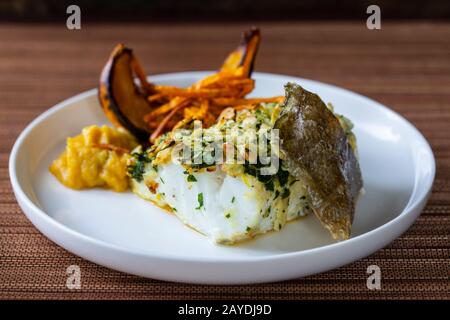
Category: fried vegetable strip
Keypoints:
(206, 99)
(228, 102)
(163, 123)
(110, 147)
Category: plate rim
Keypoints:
(41, 214)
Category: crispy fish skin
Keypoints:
(316, 150)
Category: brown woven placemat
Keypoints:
(405, 66)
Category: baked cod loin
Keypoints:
(233, 201)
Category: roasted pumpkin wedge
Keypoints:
(242, 59)
(122, 100)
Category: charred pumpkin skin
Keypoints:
(121, 99)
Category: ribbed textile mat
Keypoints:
(405, 66)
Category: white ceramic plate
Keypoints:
(123, 232)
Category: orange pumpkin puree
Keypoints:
(95, 158)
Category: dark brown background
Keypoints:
(405, 65)
(219, 10)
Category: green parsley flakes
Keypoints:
(200, 201)
(191, 178)
(137, 169)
